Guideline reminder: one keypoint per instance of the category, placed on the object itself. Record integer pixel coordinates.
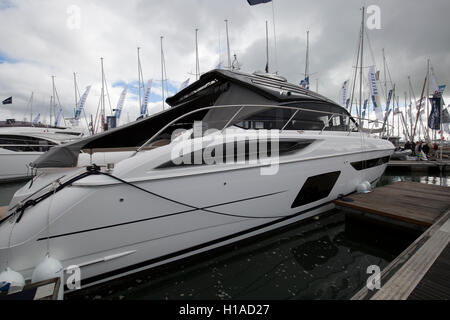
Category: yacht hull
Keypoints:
(113, 229)
(14, 165)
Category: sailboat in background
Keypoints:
(80, 102)
(23, 142)
(120, 103)
(102, 121)
(305, 82)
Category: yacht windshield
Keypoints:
(298, 116)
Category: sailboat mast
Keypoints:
(267, 48)
(361, 66)
(162, 72)
(197, 62)
(228, 45)
(385, 87)
(31, 108)
(103, 97)
(307, 57)
(75, 89)
(53, 107)
(354, 76)
(410, 108)
(50, 111)
(275, 36)
(406, 112)
(139, 76)
(441, 125)
(427, 94)
(419, 109)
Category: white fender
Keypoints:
(48, 269)
(11, 280)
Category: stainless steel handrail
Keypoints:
(242, 106)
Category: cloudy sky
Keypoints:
(41, 38)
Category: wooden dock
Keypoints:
(413, 165)
(411, 202)
(44, 290)
(422, 271)
(3, 212)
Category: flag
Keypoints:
(254, 2)
(305, 83)
(186, 82)
(434, 119)
(120, 103)
(446, 120)
(81, 103)
(347, 103)
(445, 116)
(388, 103)
(7, 101)
(364, 108)
(267, 67)
(146, 97)
(58, 118)
(36, 120)
(374, 94)
(434, 84)
(441, 89)
(343, 93)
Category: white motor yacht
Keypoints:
(237, 155)
(21, 145)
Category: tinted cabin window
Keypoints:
(25, 144)
(232, 153)
(313, 116)
(267, 119)
(316, 188)
(366, 164)
(323, 115)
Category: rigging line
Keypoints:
(374, 62)
(107, 94)
(28, 105)
(188, 205)
(355, 74)
(389, 72)
(85, 119)
(275, 36)
(97, 116)
(60, 106)
(54, 186)
(166, 87)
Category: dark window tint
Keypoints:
(366, 164)
(25, 144)
(267, 119)
(313, 116)
(232, 152)
(323, 115)
(316, 188)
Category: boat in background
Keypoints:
(21, 143)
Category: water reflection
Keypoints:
(324, 259)
(436, 178)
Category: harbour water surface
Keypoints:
(322, 258)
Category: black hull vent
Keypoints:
(316, 188)
(367, 164)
